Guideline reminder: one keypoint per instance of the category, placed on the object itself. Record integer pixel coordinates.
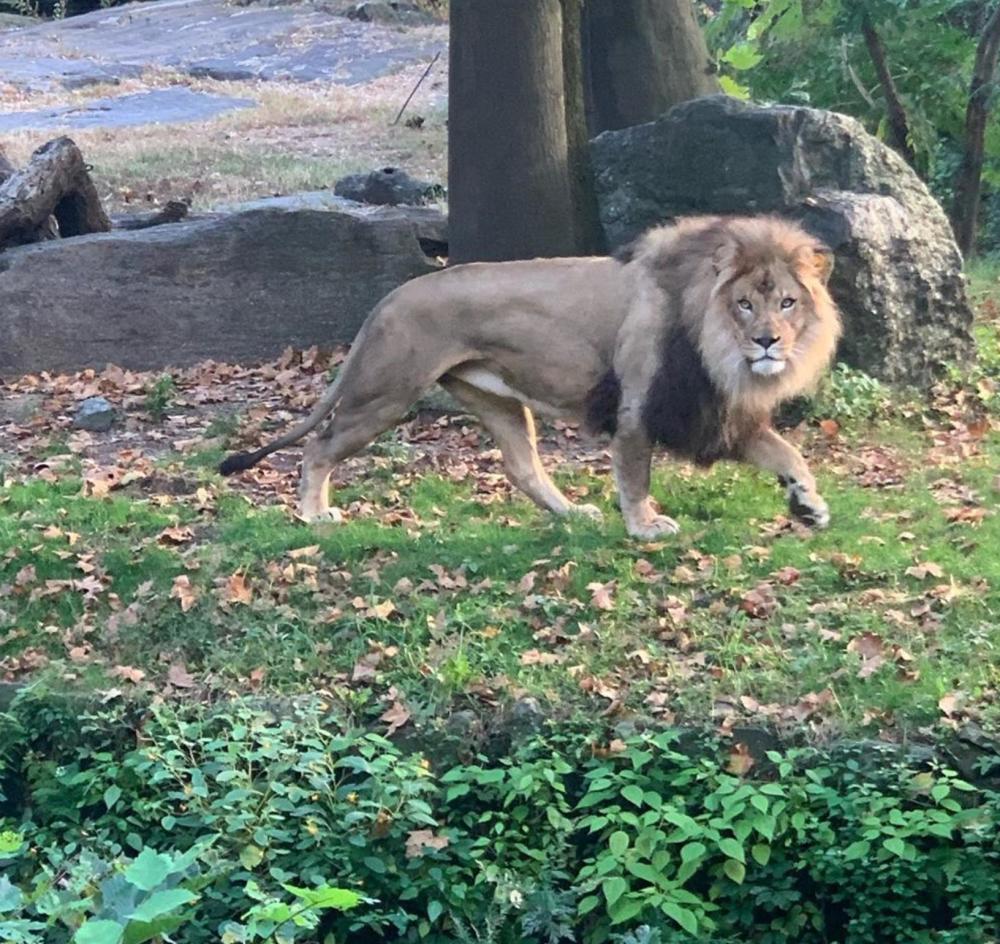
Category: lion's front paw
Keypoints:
(326, 516)
(653, 527)
(587, 511)
(808, 506)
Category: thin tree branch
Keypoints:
(899, 125)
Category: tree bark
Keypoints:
(642, 58)
(898, 123)
(968, 180)
(589, 237)
(56, 184)
(509, 191)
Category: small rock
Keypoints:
(95, 414)
(389, 186)
(387, 11)
(20, 408)
(526, 716)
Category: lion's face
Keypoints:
(769, 308)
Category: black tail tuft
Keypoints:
(240, 461)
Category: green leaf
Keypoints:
(326, 896)
(895, 845)
(733, 849)
(761, 853)
(99, 932)
(111, 796)
(692, 851)
(251, 857)
(434, 910)
(624, 910)
(737, 871)
(588, 904)
(742, 56)
(618, 843)
(857, 850)
(148, 870)
(161, 903)
(685, 918)
(614, 888)
(10, 895)
(633, 794)
(733, 88)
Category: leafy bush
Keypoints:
(262, 820)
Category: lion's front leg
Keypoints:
(632, 455)
(768, 451)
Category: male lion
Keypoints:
(688, 341)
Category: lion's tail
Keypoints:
(240, 461)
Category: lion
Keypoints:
(688, 340)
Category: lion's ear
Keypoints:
(822, 263)
(725, 256)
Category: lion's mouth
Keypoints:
(767, 366)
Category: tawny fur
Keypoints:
(544, 335)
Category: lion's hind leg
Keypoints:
(350, 429)
(512, 426)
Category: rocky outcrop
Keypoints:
(898, 275)
(388, 186)
(239, 285)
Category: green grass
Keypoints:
(465, 614)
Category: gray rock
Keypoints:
(389, 11)
(95, 414)
(20, 408)
(239, 285)
(158, 106)
(898, 275)
(292, 42)
(388, 186)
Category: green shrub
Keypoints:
(260, 820)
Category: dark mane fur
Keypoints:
(683, 410)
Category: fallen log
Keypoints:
(172, 212)
(55, 184)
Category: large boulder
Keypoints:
(238, 285)
(898, 275)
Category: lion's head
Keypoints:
(754, 301)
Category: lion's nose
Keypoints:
(766, 340)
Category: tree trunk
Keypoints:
(899, 125)
(642, 58)
(55, 183)
(589, 237)
(968, 181)
(509, 192)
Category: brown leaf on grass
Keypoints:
(129, 673)
(871, 648)
(527, 583)
(179, 677)
(811, 704)
(965, 515)
(175, 536)
(601, 595)
(759, 603)
(395, 716)
(421, 839)
(312, 550)
(184, 591)
(234, 590)
(364, 668)
(99, 482)
(925, 570)
(786, 576)
(740, 761)
(25, 576)
(951, 704)
(537, 657)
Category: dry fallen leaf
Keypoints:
(184, 591)
(420, 839)
(179, 677)
(395, 716)
(740, 760)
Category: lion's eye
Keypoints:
(745, 305)
(787, 303)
